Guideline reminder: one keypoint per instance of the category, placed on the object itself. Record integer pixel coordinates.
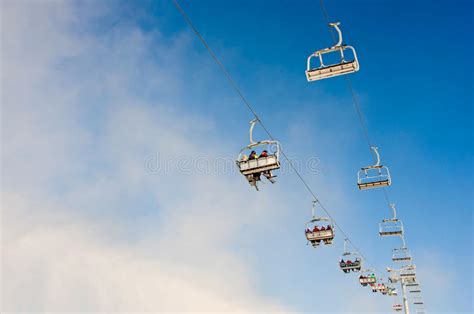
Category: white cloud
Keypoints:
(75, 138)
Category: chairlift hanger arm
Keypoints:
(252, 125)
(339, 33)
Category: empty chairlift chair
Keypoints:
(342, 67)
(253, 167)
(319, 229)
(391, 227)
(408, 275)
(350, 261)
(418, 300)
(401, 255)
(373, 176)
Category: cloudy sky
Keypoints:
(118, 134)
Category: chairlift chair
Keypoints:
(383, 288)
(379, 288)
(392, 291)
(252, 169)
(397, 307)
(374, 176)
(313, 231)
(367, 277)
(408, 276)
(327, 71)
(350, 261)
(401, 255)
(418, 300)
(373, 286)
(391, 227)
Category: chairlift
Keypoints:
(327, 71)
(367, 277)
(379, 288)
(408, 274)
(392, 291)
(391, 227)
(418, 301)
(383, 289)
(401, 255)
(373, 286)
(252, 167)
(397, 307)
(374, 176)
(350, 261)
(318, 230)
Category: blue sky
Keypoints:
(95, 88)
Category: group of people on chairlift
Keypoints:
(253, 155)
(256, 176)
(350, 263)
(361, 277)
(316, 229)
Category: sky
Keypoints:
(118, 135)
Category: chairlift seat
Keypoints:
(375, 184)
(401, 259)
(332, 70)
(259, 165)
(390, 233)
(326, 235)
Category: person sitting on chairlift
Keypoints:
(264, 154)
(244, 158)
(253, 155)
(256, 176)
(315, 229)
(307, 230)
(322, 228)
(328, 227)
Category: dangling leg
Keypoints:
(269, 176)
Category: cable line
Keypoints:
(254, 113)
